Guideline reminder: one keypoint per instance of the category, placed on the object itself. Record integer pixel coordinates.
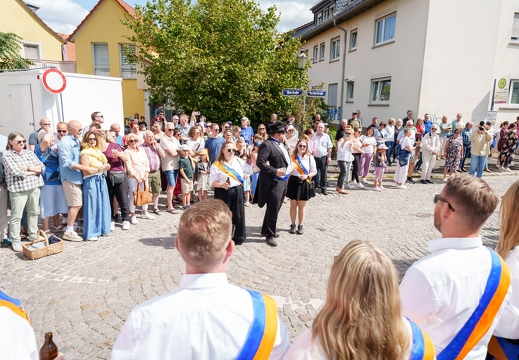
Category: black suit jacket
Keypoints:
(270, 158)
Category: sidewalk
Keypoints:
(333, 169)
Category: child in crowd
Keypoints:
(202, 175)
(186, 166)
(246, 183)
(380, 166)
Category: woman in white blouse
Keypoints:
(362, 316)
(227, 176)
(369, 144)
(299, 187)
(508, 249)
(344, 158)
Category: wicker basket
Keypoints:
(48, 249)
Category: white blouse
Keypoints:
(240, 166)
(508, 325)
(308, 162)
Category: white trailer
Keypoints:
(24, 100)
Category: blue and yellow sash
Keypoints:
(229, 171)
(299, 166)
(482, 318)
(14, 305)
(422, 347)
(502, 349)
(262, 335)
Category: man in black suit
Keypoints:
(274, 163)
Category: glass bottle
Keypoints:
(49, 350)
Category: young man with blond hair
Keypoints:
(206, 318)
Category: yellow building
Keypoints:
(39, 41)
(100, 41)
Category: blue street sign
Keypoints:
(292, 92)
(316, 93)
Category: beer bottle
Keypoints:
(228, 181)
(49, 350)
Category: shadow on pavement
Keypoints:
(167, 242)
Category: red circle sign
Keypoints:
(54, 81)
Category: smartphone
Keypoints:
(197, 113)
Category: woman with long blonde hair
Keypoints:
(362, 317)
(508, 249)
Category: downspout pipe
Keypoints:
(343, 69)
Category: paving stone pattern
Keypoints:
(85, 294)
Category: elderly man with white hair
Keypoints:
(246, 130)
(430, 149)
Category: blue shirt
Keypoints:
(119, 140)
(3, 142)
(51, 161)
(427, 125)
(213, 146)
(465, 135)
(248, 134)
(68, 150)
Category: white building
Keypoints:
(441, 57)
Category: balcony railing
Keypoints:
(64, 66)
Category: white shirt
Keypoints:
(241, 167)
(390, 131)
(321, 145)
(369, 140)
(170, 162)
(17, 341)
(206, 318)
(304, 349)
(430, 143)
(344, 151)
(441, 291)
(411, 136)
(508, 326)
(405, 142)
(308, 162)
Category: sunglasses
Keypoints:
(261, 129)
(131, 141)
(101, 116)
(456, 133)
(94, 139)
(62, 131)
(230, 150)
(170, 129)
(301, 146)
(21, 141)
(437, 198)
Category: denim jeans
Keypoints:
(479, 163)
(344, 167)
(390, 145)
(466, 151)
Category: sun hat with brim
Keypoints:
(382, 147)
(276, 127)
(204, 152)
(184, 148)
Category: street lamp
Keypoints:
(301, 64)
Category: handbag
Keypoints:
(142, 197)
(116, 177)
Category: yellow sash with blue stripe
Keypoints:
(503, 349)
(422, 347)
(229, 171)
(262, 334)
(482, 318)
(14, 305)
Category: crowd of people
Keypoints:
(76, 173)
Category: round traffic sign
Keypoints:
(54, 81)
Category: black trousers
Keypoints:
(235, 201)
(322, 172)
(278, 189)
(120, 191)
(355, 170)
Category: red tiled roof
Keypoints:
(130, 10)
(70, 46)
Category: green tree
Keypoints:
(222, 57)
(10, 58)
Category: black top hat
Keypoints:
(276, 127)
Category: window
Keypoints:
(515, 28)
(325, 15)
(101, 62)
(331, 10)
(353, 40)
(332, 95)
(350, 88)
(385, 29)
(321, 54)
(316, 54)
(514, 92)
(31, 51)
(319, 18)
(128, 69)
(380, 91)
(335, 49)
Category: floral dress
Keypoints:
(507, 152)
(453, 153)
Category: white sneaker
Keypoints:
(498, 165)
(112, 226)
(377, 189)
(507, 169)
(72, 236)
(133, 220)
(444, 179)
(147, 216)
(401, 186)
(382, 188)
(351, 185)
(360, 186)
(126, 225)
(93, 239)
(364, 180)
(16, 246)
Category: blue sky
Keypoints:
(65, 15)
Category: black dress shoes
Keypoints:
(423, 181)
(272, 241)
(429, 182)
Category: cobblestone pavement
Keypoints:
(85, 293)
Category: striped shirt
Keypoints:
(19, 180)
(153, 156)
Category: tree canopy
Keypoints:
(224, 58)
(10, 57)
